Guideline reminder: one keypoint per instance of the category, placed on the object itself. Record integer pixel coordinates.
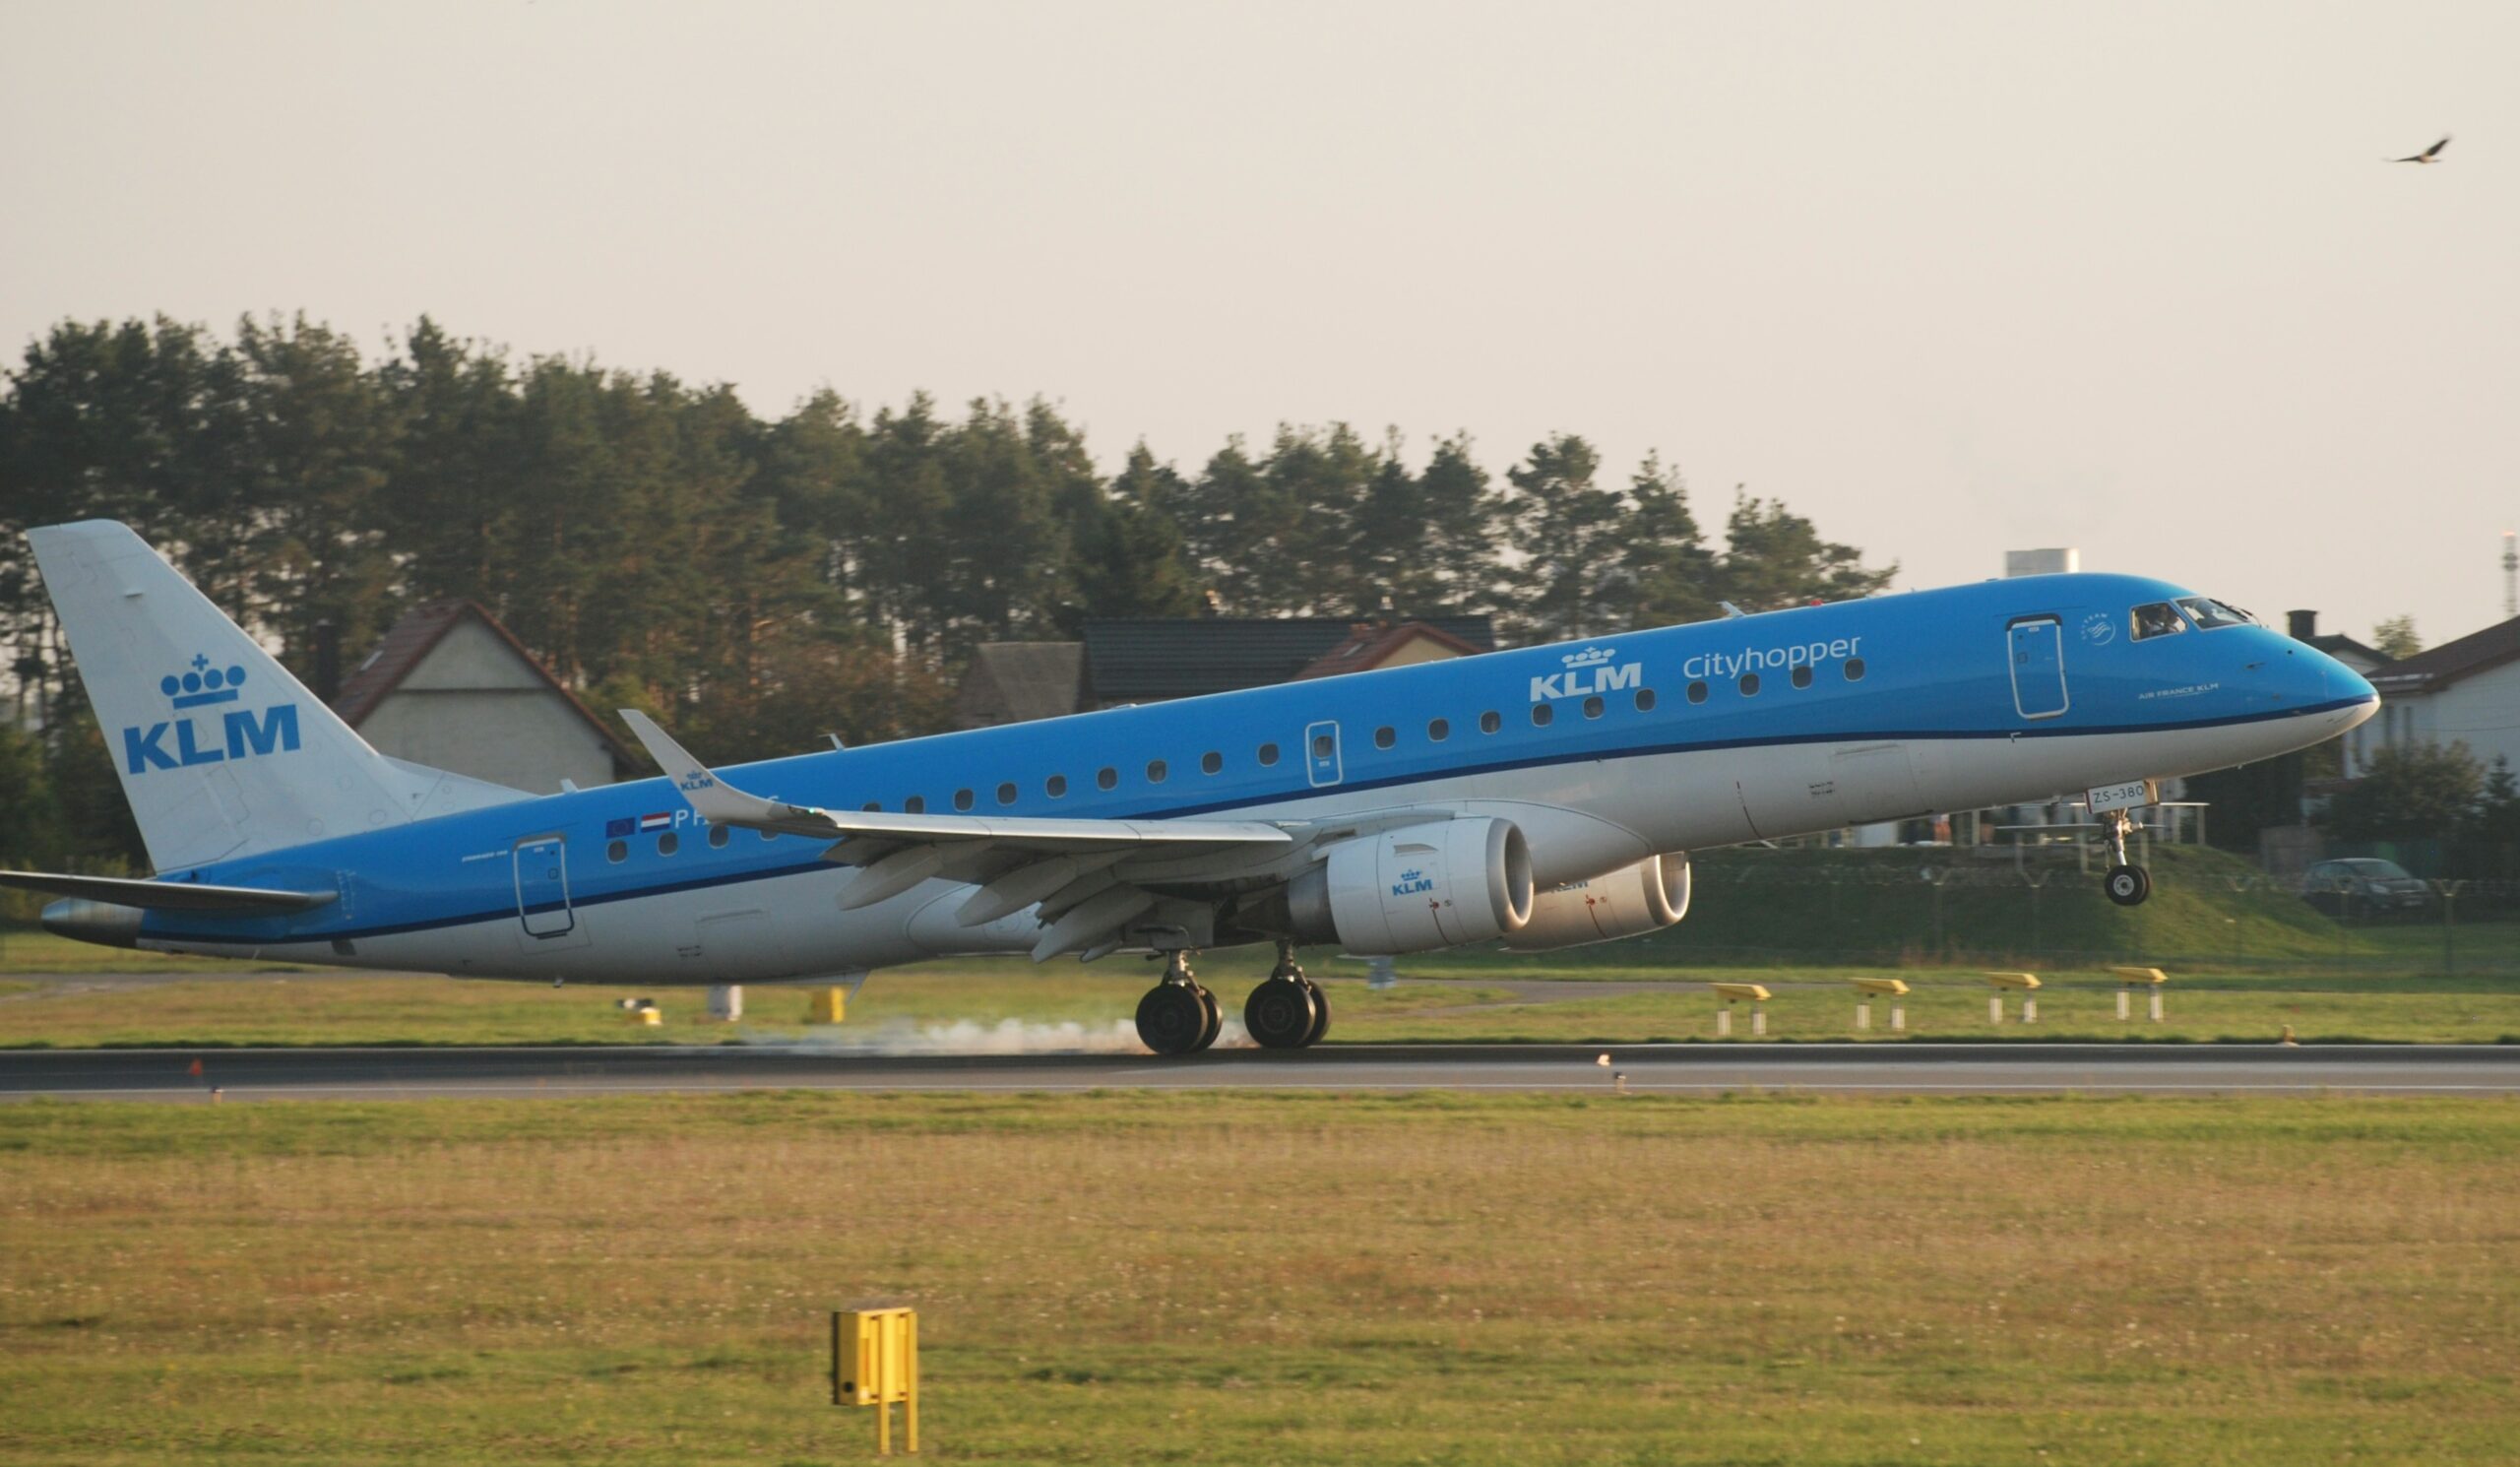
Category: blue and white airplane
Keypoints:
(1537, 798)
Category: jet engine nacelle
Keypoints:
(1653, 893)
(1417, 888)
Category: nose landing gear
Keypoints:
(1178, 1015)
(2126, 883)
(1288, 1010)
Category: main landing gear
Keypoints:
(1178, 1016)
(2126, 883)
(1288, 1010)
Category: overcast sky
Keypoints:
(1949, 279)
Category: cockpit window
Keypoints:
(2158, 619)
(2212, 615)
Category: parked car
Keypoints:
(2363, 886)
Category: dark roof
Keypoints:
(1013, 682)
(1130, 661)
(2335, 642)
(2475, 653)
(1369, 643)
(410, 641)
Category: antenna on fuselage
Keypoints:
(835, 741)
(1730, 610)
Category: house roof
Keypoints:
(408, 642)
(1370, 644)
(1146, 661)
(2451, 661)
(2333, 643)
(1013, 682)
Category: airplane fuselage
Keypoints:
(1603, 752)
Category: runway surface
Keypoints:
(1913, 1068)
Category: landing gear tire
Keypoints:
(1215, 1018)
(2128, 885)
(1320, 1013)
(1283, 1014)
(1177, 1016)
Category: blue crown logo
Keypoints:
(204, 685)
(1412, 874)
(1590, 657)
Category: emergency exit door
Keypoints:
(2038, 667)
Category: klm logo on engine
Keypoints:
(190, 738)
(1588, 672)
(1411, 883)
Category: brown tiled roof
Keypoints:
(408, 642)
(1373, 641)
(2449, 662)
(1150, 660)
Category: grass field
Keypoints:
(1221, 1278)
(1014, 1004)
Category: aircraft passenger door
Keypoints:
(542, 890)
(2038, 667)
(1321, 754)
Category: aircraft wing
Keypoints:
(1062, 865)
(166, 896)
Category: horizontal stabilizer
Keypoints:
(166, 896)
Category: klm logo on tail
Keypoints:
(238, 733)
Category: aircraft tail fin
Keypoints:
(222, 752)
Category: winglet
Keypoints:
(709, 797)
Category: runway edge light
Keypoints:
(2025, 983)
(874, 1361)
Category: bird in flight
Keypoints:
(2431, 154)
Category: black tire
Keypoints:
(2127, 886)
(1171, 1019)
(1215, 1019)
(1281, 1014)
(1320, 1014)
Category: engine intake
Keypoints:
(1416, 889)
(1653, 893)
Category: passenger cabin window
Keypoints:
(669, 843)
(1155, 771)
(2213, 616)
(1006, 792)
(961, 800)
(1855, 670)
(1385, 737)
(1749, 684)
(1802, 675)
(915, 804)
(616, 851)
(2157, 619)
(1542, 714)
(1592, 706)
(1697, 692)
(1107, 779)
(1439, 731)
(1211, 762)
(1268, 755)
(1323, 746)
(1490, 723)
(1645, 700)
(717, 838)
(1055, 786)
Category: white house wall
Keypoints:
(472, 706)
